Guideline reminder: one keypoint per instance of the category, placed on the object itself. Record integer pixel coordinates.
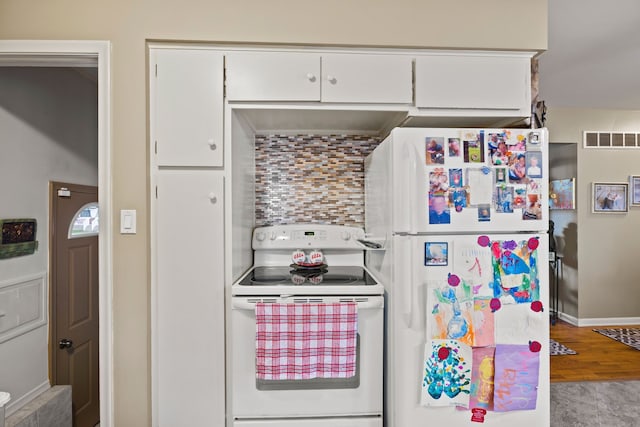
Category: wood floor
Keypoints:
(599, 358)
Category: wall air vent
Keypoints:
(615, 140)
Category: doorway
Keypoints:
(74, 289)
(38, 53)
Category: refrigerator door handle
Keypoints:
(414, 178)
(406, 188)
(404, 275)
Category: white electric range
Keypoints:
(274, 279)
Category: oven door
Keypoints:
(360, 396)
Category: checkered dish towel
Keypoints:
(306, 341)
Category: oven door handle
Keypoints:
(363, 302)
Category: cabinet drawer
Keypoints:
(477, 82)
(273, 76)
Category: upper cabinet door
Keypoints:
(273, 76)
(364, 78)
(490, 82)
(188, 104)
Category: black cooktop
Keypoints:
(331, 276)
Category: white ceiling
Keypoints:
(593, 59)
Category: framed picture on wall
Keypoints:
(634, 181)
(562, 194)
(610, 197)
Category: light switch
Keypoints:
(127, 221)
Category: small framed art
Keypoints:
(562, 194)
(610, 197)
(436, 253)
(634, 182)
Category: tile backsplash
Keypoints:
(311, 178)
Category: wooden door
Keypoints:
(74, 297)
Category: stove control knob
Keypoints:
(346, 235)
(260, 236)
(273, 235)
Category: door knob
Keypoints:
(65, 343)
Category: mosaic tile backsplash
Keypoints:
(311, 178)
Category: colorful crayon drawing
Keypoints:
(516, 378)
(482, 373)
(483, 323)
(473, 265)
(446, 376)
(451, 314)
(515, 271)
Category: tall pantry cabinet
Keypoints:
(187, 185)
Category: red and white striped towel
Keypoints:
(306, 341)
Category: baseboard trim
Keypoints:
(602, 321)
(569, 319)
(610, 321)
(15, 405)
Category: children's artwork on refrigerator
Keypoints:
(512, 322)
(482, 378)
(515, 271)
(515, 378)
(446, 373)
(484, 326)
(451, 311)
(483, 323)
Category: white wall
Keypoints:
(48, 123)
(607, 244)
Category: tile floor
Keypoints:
(595, 404)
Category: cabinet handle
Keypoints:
(332, 79)
(311, 77)
(212, 144)
(213, 198)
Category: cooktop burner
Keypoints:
(327, 276)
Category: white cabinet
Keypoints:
(187, 236)
(464, 82)
(339, 78)
(366, 78)
(273, 76)
(187, 107)
(189, 373)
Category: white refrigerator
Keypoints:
(458, 222)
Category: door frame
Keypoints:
(68, 53)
